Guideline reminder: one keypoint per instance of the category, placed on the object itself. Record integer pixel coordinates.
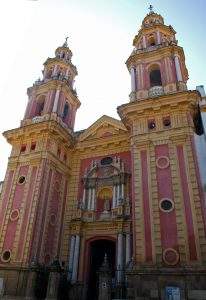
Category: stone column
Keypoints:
(83, 199)
(114, 197)
(119, 257)
(118, 193)
(71, 256)
(54, 110)
(178, 69)
(122, 194)
(128, 248)
(133, 79)
(89, 199)
(144, 42)
(93, 199)
(158, 38)
(76, 259)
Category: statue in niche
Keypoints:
(106, 212)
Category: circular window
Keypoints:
(162, 162)
(6, 256)
(106, 161)
(21, 179)
(167, 122)
(14, 215)
(166, 205)
(170, 256)
(151, 125)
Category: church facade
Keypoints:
(131, 190)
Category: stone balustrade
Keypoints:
(46, 117)
(156, 91)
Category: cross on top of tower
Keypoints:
(151, 8)
(65, 43)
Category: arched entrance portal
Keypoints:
(98, 248)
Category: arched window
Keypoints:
(155, 77)
(151, 41)
(40, 105)
(49, 74)
(65, 111)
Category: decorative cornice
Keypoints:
(39, 129)
(147, 30)
(154, 54)
(61, 62)
(184, 100)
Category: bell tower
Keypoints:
(167, 202)
(54, 96)
(36, 183)
(157, 63)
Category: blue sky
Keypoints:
(101, 34)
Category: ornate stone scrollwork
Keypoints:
(104, 189)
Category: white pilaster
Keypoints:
(67, 72)
(119, 257)
(178, 69)
(76, 259)
(55, 70)
(26, 114)
(144, 42)
(71, 256)
(56, 101)
(45, 71)
(158, 38)
(128, 248)
(114, 197)
(142, 76)
(93, 199)
(133, 79)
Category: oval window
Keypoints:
(106, 161)
(166, 205)
(6, 256)
(21, 179)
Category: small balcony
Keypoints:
(156, 91)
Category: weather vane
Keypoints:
(151, 8)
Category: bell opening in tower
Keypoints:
(155, 78)
(97, 251)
